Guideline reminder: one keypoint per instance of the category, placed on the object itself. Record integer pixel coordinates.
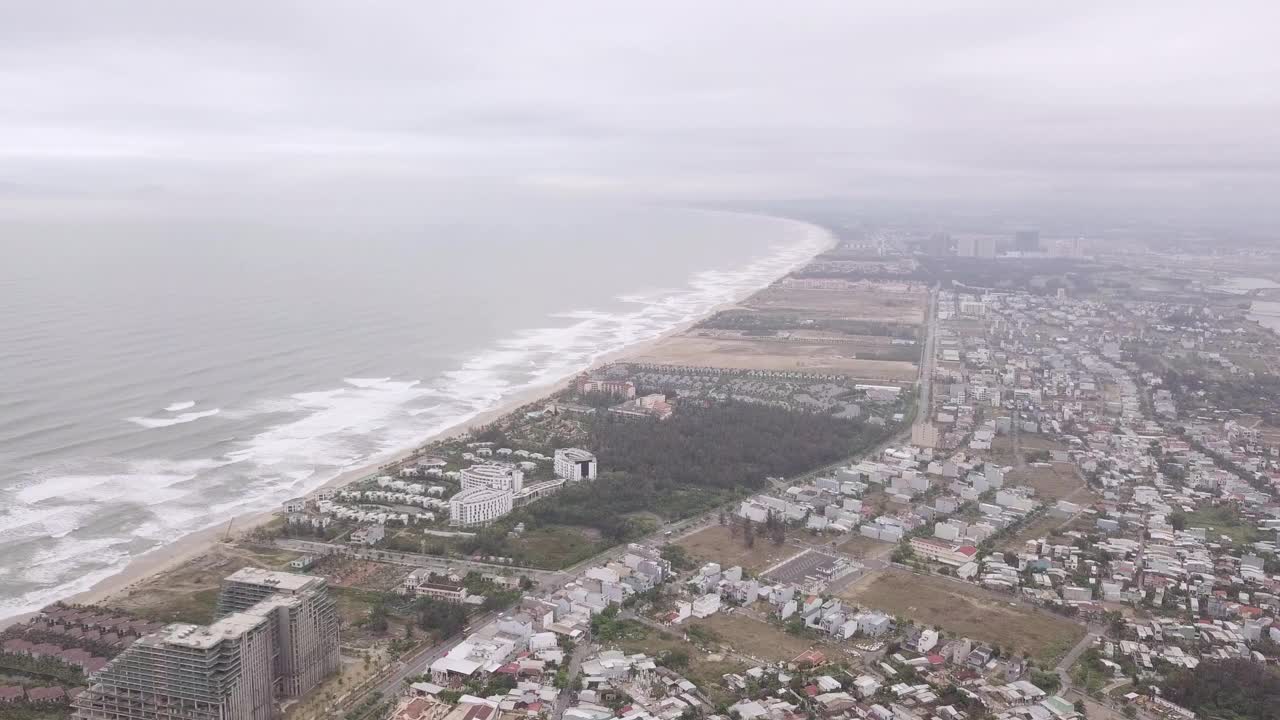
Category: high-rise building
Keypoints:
(306, 627)
(1026, 241)
(976, 246)
(276, 636)
(938, 243)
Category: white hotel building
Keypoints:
(494, 476)
(488, 492)
(479, 506)
(574, 465)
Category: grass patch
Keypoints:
(1222, 520)
(555, 546)
(195, 607)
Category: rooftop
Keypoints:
(288, 582)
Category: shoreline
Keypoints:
(188, 547)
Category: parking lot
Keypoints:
(809, 564)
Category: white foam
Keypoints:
(180, 406)
(147, 422)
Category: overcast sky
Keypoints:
(998, 105)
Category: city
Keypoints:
(921, 477)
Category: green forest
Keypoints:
(701, 457)
(1227, 689)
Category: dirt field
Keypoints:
(749, 636)
(189, 592)
(862, 303)
(1057, 482)
(860, 546)
(963, 609)
(714, 544)
(690, 349)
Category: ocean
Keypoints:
(161, 374)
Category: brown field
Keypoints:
(963, 609)
(743, 354)
(863, 303)
(751, 637)
(1057, 482)
(707, 671)
(188, 592)
(860, 546)
(714, 544)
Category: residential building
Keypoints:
(942, 551)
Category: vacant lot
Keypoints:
(754, 354)
(557, 546)
(1059, 481)
(714, 544)
(1220, 521)
(861, 546)
(189, 592)
(962, 609)
(1038, 528)
(857, 303)
(751, 637)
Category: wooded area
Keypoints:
(1227, 689)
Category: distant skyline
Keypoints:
(1145, 109)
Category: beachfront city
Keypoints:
(1007, 475)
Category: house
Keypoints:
(706, 605)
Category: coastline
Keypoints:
(195, 544)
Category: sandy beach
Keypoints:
(190, 546)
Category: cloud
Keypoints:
(1071, 105)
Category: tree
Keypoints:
(748, 533)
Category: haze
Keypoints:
(1151, 108)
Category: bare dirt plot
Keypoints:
(864, 303)
(749, 636)
(1058, 481)
(714, 544)
(744, 354)
(188, 592)
(970, 611)
(861, 546)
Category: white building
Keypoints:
(492, 476)
(479, 506)
(706, 605)
(573, 464)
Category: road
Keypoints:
(580, 652)
(1063, 668)
(393, 683)
(928, 359)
